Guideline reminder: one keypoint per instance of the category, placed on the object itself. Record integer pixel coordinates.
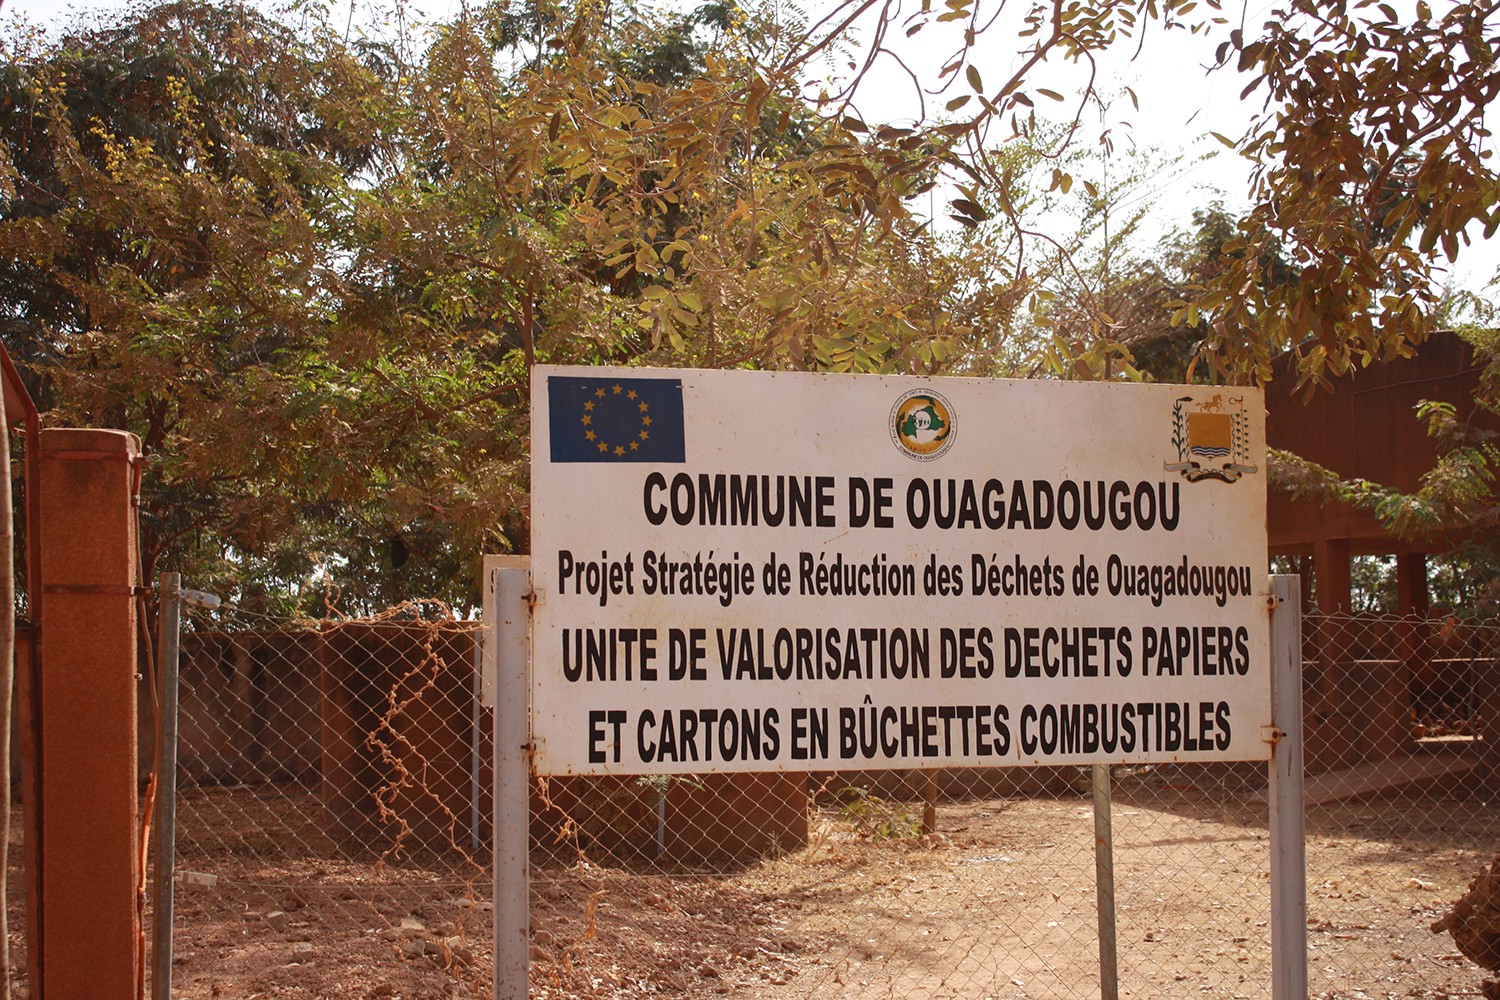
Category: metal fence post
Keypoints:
(164, 824)
(1104, 882)
(1288, 848)
(476, 744)
(512, 783)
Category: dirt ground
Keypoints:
(1000, 903)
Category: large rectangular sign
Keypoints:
(747, 571)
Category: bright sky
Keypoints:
(1180, 104)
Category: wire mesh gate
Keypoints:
(332, 825)
(327, 821)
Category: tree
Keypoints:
(182, 206)
(1370, 155)
(314, 276)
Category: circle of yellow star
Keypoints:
(587, 420)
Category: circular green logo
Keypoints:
(922, 425)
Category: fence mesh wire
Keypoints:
(330, 838)
(334, 833)
(1401, 719)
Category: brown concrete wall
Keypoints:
(707, 816)
(737, 814)
(1366, 427)
(250, 707)
(954, 782)
(86, 698)
(263, 706)
(396, 731)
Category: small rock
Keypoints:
(300, 934)
(431, 947)
(761, 919)
(460, 952)
(412, 927)
(391, 934)
(413, 949)
(539, 954)
(542, 937)
(253, 915)
(303, 951)
(709, 972)
(277, 920)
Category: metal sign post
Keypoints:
(1288, 848)
(1104, 883)
(511, 587)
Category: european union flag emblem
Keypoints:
(615, 419)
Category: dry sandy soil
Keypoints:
(1000, 903)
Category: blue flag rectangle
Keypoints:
(615, 419)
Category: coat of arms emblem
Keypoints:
(1212, 440)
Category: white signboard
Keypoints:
(749, 571)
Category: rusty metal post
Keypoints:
(90, 887)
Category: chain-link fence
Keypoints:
(1402, 760)
(981, 883)
(332, 807)
(333, 840)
